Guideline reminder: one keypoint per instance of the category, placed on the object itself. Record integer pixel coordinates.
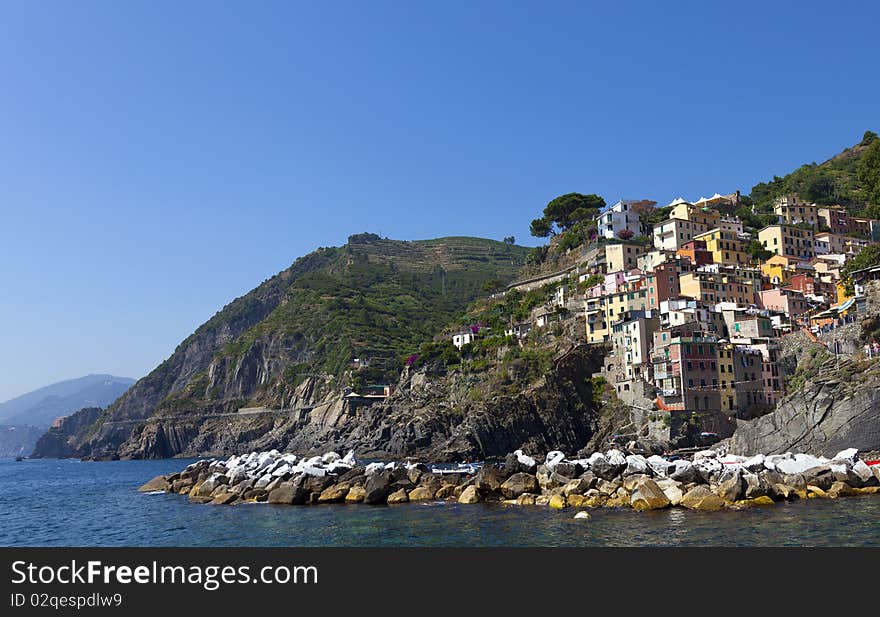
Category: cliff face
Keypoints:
(65, 440)
(372, 297)
(431, 416)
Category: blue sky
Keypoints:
(161, 158)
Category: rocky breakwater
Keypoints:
(710, 481)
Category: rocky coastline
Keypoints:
(709, 480)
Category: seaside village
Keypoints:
(692, 322)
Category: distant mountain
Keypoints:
(42, 406)
(18, 440)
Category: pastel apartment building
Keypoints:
(614, 218)
(788, 241)
(790, 210)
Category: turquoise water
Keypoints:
(70, 503)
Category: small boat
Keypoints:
(19, 459)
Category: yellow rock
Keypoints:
(763, 500)
(421, 493)
(814, 491)
(526, 499)
(557, 502)
(355, 494)
(576, 501)
(868, 490)
(469, 495)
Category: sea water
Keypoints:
(73, 503)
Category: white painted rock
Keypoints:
(373, 468)
(850, 454)
(582, 515)
(863, 471)
(635, 464)
(524, 459)
(658, 464)
(554, 458)
(615, 457)
(350, 459)
(281, 470)
(311, 470)
(330, 457)
(263, 482)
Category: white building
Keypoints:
(463, 338)
(670, 234)
(613, 219)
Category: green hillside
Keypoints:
(851, 179)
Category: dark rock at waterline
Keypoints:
(353, 474)
(377, 487)
(489, 479)
(159, 483)
(512, 465)
(820, 476)
(519, 483)
(605, 469)
(568, 470)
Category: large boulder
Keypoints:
(519, 483)
(421, 493)
(701, 498)
(864, 473)
(820, 475)
(636, 464)
(755, 485)
(489, 479)
(335, 493)
(731, 488)
(469, 495)
(377, 487)
(159, 483)
(648, 496)
(517, 462)
(684, 472)
(355, 494)
(567, 469)
(288, 493)
(398, 496)
(605, 469)
(659, 465)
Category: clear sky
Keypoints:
(158, 159)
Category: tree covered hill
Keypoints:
(851, 179)
(373, 298)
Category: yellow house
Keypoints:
(725, 246)
(788, 241)
(622, 257)
(714, 287)
(777, 269)
(790, 211)
(604, 311)
(696, 214)
(726, 379)
(842, 296)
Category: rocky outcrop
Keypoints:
(309, 320)
(721, 481)
(431, 416)
(836, 408)
(65, 439)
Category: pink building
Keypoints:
(785, 301)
